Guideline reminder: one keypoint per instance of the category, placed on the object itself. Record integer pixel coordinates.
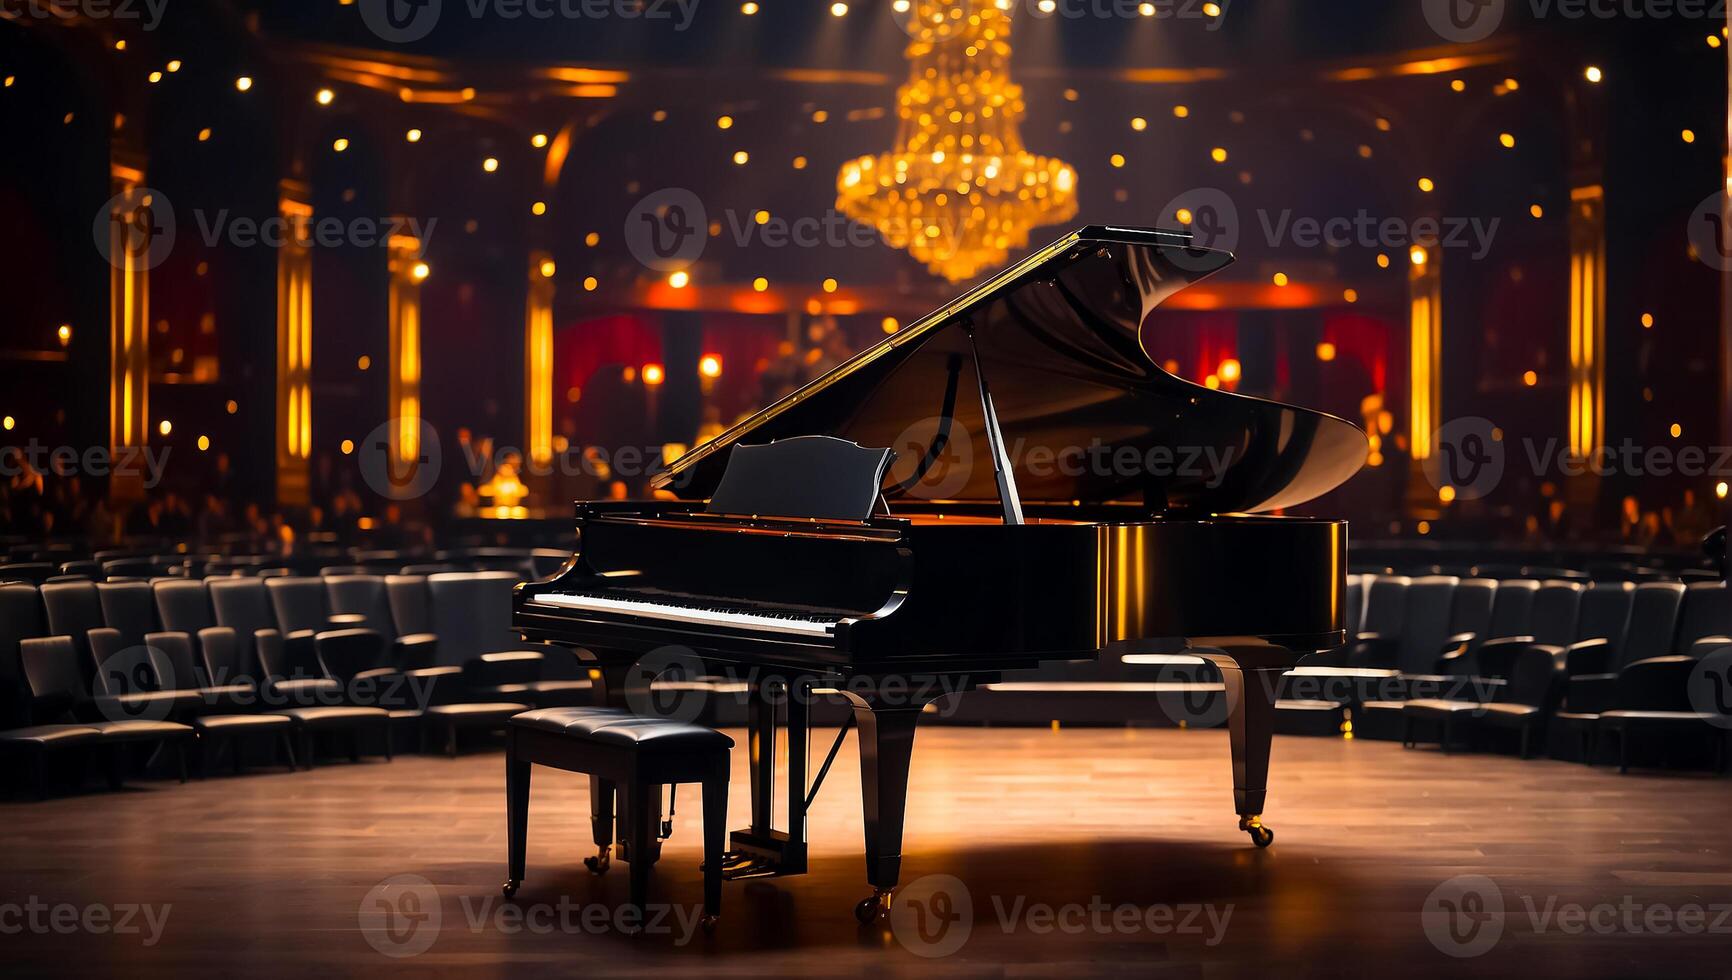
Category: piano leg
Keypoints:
(1251, 671)
(886, 748)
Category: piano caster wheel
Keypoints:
(875, 906)
(511, 887)
(708, 923)
(1260, 835)
(599, 863)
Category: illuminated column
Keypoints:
(538, 360)
(1425, 347)
(294, 345)
(408, 271)
(131, 228)
(1587, 227)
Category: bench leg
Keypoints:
(516, 820)
(715, 842)
(645, 814)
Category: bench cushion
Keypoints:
(614, 727)
(337, 716)
(49, 735)
(230, 723)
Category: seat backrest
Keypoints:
(52, 673)
(177, 666)
(1353, 603)
(220, 655)
(1513, 607)
(1656, 684)
(411, 608)
(182, 605)
(1425, 624)
(1653, 622)
(299, 602)
(20, 619)
(1535, 678)
(1605, 612)
(1474, 598)
(30, 572)
(1554, 616)
(243, 605)
(1385, 604)
(345, 653)
(122, 667)
(73, 610)
(1711, 685)
(361, 595)
(1704, 613)
(127, 607)
(471, 614)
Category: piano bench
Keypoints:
(639, 756)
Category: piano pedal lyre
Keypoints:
(601, 861)
(1253, 824)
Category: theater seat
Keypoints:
(57, 694)
(1535, 683)
(38, 741)
(1656, 697)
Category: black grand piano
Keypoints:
(1010, 480)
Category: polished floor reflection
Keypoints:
(1077, 852)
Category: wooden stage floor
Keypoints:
(1078, 852)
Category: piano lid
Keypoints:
(1085, 411)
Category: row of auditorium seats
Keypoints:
(365, 659)
(1434, 657)
(42, 566)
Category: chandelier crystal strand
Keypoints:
(959, 192)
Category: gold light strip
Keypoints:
(1425, 341)
(128, 319)
(294, 347)
(538, 359)
(1587, 229)
(404, 312)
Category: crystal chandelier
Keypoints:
(959, 191)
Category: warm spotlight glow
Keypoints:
(1647, 321)
(64, 334)
(1139, 124)
(1720, 489)
(1593, 74)
(592, 239)
(1677, 430)
(1382, 261)
(547, 268)
(173, 66)
(538, 208)
(8, 422)
(203, 443)
(1426, 185)
(204, 135)
(760, 284)
(165, 427)
(413, 136)
(1117, 159)
(740, 157)
(232, 406)
(420, 271)
(1218, 154)
(724, 122)
(340, 144)
(751, 8)
(325, 96)
(538, 141)
(590, 283)
(1183, 215)
(1181, 111)
(1417, 255)
(1326, 351)
(490, 164)
(679, 279)
(653, 374)
(838, 10)
(710, 365)
(1507, 139)
(1446, 493)
(1280, 278)
(243, 83)
(1536, 211)
(347, 446)
(154, 77)
(1689, 135)
(1230, 370)
(1530, 378)
(761, 217)
(889, 324)
(829, 285)
(1350, 295)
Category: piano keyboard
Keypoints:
(668, 612)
